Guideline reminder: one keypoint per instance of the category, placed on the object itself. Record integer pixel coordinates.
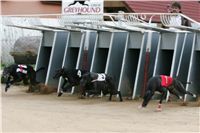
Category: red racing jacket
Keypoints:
(166, 81)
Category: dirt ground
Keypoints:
(28, 112)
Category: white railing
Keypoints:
(167, 19)
(98, 21)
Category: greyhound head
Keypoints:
(6, 72)
(147, 98)
(58, 73)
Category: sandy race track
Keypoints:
(28, 112)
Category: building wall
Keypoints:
(9, 35)
(46, 7)
(26, 7)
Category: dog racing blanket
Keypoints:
(166, 81)
(101, 77)
(21, 69)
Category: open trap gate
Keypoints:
(129, 48)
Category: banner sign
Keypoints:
(82, 11)
(82, 6)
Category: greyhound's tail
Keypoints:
(41, 68)
(192, 94)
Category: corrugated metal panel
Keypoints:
(189, 8)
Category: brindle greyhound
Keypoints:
(71, 76)
(101, 82)
(19, 72)
(163, 83)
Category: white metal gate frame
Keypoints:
(118, 20)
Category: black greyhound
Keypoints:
(19, 72)
(71, 76)
(101, 82)
(82, 2)
(163, 83)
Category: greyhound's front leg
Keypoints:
(110, 98)
(7, 86)
(62, 88)
(115, 93)
(63, 85)
(120, 96)
(8, 83)
(82, 92)
(164, 93)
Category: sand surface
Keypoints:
(30, 112)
